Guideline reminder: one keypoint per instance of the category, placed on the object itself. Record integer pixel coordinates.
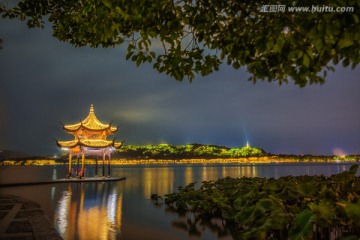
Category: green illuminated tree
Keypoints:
(186, 37)
(245, 152)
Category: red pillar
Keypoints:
(69, 172)
(103, 168)
(96, 166)
(83, 166)
(109, 166)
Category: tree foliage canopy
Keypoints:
(167, 151)
(185, 37)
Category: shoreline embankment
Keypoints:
(244, 160)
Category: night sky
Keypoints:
(44, 82)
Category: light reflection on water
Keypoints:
(160, 181)
(63, 212)
(122, 210)
(84, 212)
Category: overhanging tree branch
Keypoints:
(239, 32)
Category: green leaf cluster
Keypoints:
(301, 207)
(186, 38)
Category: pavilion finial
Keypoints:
(91, 108)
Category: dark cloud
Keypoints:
(44, 82)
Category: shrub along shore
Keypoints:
(290, 207)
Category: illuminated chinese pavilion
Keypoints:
(90, 139)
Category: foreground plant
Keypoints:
(302, 207)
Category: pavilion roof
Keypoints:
(93, 143)
(91, 122)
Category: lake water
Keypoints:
(123, 210)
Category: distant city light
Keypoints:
(339, 152)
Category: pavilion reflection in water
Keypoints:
(90, 211)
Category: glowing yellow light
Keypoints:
(339, 152)
(90, 132)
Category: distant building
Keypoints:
(90, 139)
